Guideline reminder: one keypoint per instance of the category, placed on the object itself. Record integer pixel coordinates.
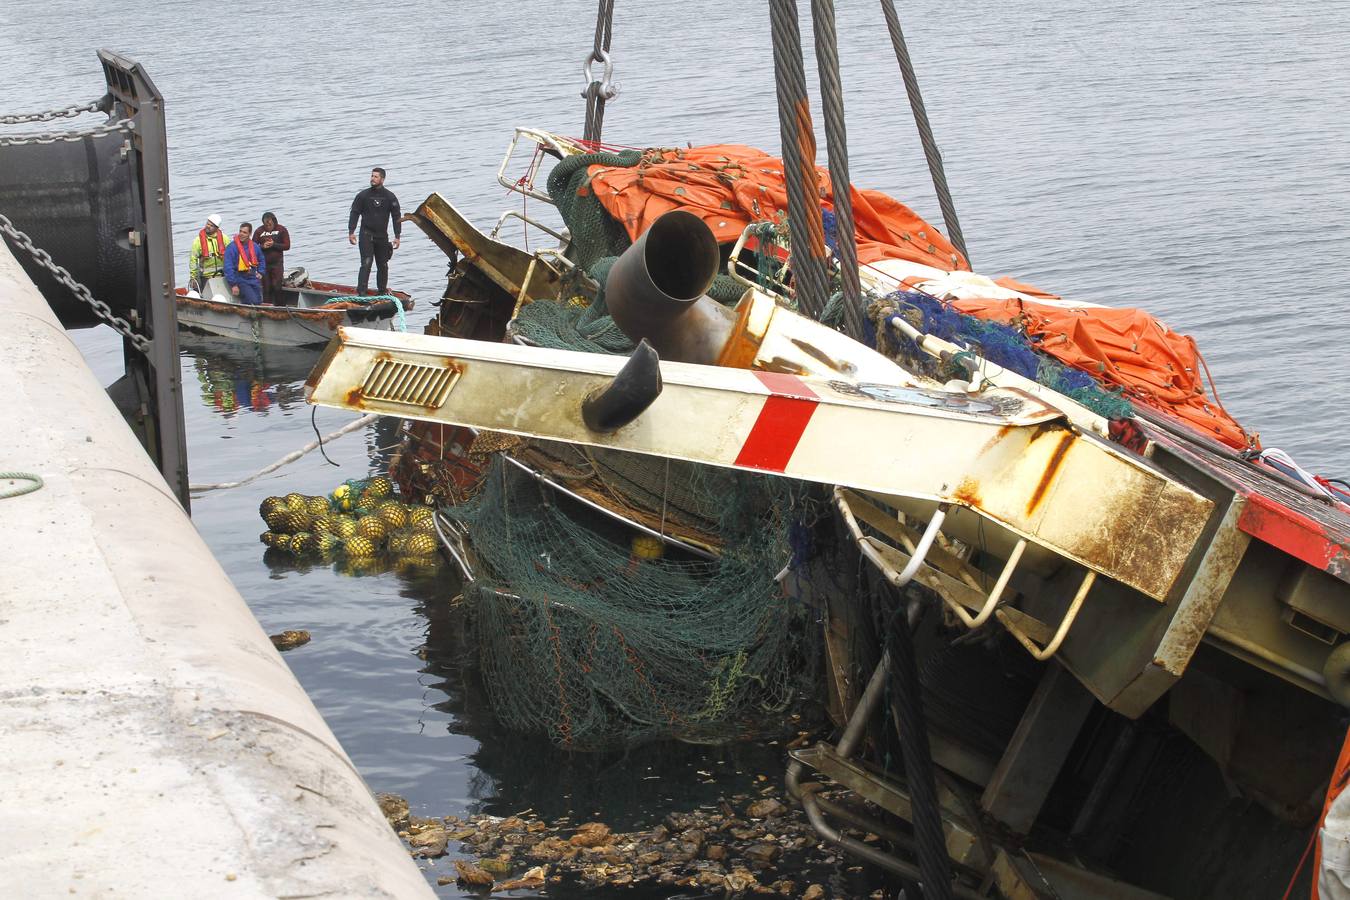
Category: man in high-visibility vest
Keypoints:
(207, 259)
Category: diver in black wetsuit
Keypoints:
(375, 207)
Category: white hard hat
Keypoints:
(215, 219)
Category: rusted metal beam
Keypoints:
(1002, 453)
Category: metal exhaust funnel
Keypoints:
(655, 291)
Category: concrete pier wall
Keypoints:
(152, 741)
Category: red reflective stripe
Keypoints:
(780, 424)
(782, 385)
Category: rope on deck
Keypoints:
(18, 490)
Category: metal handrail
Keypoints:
(1050, 649)
(525, 184)
(992, 599)
(512, 214)
(991, 603)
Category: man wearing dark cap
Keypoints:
(374, 207)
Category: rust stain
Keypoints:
(968, 491)
(819, 355)
(1148, 531)
(356, 397)
(1051, 468)
(1003, 432)
(1044, 428)
(785, 366)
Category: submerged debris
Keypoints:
(362, 526)
(745, 846)
(289, 640)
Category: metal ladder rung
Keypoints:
(957, 596)
(1050, 649)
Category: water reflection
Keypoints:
(234, 376)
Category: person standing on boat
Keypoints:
(274, 240)
(207, 259)
(375, 207)
(245, 267)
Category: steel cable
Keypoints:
(836, 140)
(907, 714)
(799, 158)
(597, 92)
(930, 149)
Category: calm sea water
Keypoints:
(1191, 158)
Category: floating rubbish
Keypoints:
(746, 845)
(289, 640)
(362, 526)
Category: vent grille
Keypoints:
(409, 383)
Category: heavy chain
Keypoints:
(104, 312)
(51, 137)
(50, 114)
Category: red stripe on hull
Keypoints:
(1295, 534)
(780, 424)
(781, 385)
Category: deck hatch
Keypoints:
(409, 383)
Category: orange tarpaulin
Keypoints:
(729, 186)
(1127, 348)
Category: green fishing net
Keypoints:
(599, 638)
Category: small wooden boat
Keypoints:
(309, 315)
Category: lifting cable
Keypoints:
(598, 90)
(836, 142)
(906, 705)
(798, 141)
(930, 149)
(799, 160)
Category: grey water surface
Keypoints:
(1191, 158)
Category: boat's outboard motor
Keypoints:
(655, 291)
(79, 201)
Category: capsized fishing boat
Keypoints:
(1121, 617)
(308, 316)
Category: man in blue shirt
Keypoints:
(245, 266)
